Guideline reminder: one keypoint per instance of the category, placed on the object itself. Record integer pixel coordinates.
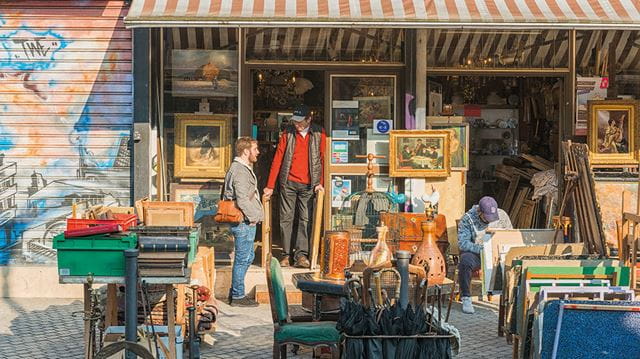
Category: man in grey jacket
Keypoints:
(241, 185)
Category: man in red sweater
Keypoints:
(298, 167)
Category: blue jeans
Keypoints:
(244, 235)
(468, 263)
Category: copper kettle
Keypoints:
(428, 255)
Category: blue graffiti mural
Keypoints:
(29, 50)
(38, 194)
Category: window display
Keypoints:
(357, 104)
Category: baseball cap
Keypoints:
(300, 113)
(489, 208)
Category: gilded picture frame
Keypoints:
(459, 138)
(612, 131)
(419, 153)
(202, 148)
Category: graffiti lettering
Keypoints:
(34, 49)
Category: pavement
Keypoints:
(47, 328)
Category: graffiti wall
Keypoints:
(65, 99)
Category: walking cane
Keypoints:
(317, 227)
(266, 230)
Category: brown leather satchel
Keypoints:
(228, 211)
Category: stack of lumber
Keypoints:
(516, 192)
(582, 190)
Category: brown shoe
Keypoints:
(302, 262)
(285, 261)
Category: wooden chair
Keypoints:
(286, 332)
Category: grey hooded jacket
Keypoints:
(241, 185)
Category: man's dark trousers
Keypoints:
(296, 198)
(468, 263)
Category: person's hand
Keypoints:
(267, 192)
(318, 188)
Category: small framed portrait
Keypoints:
(612, 131)
(419, 153)
(459, 138)
(201, 148)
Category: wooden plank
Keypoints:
(171, 319)
(111, 315)
(88, 353)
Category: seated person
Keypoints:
(471, 235)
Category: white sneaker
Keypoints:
(467, 307)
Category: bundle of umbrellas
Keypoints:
(390, 331)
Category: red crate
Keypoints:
(124, 220)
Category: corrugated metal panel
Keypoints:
(65, 99)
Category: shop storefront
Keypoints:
(208, 72)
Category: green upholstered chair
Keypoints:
(286, 332)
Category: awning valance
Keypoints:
(596, 14)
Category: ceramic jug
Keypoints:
(428, 254)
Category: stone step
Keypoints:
(294, 295)
(256, 283)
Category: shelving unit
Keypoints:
(490, 146)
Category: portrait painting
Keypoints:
(420, 153)
(612, 131)
(459, 145)
(201, 148)
(373, 108)
(204, 73)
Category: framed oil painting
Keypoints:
(419, 153)
(204, 73)
(205, 198)
(201, 148)
(612, 131)
(373, 108)
(459, 138)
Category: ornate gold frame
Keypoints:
(181, 169)
(632, 107)
(397, 134)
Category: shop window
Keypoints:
(325, 44)
(362, 114)
(479, 49)
(201, 91)
(598, 53)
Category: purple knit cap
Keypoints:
(489, 209)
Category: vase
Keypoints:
(380, 254)
(428, 254)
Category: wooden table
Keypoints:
(111, 315)
(311, 283)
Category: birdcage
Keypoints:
(359, 215)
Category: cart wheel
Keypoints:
(115, 348)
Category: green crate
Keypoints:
(194, 238)
(99, 255)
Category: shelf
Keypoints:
(493, 128)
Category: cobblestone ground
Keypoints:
(45, 328)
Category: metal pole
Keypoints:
(556, 338)
(403, 258)
(131, 298)
(194, 344)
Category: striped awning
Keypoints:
(596, 14)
